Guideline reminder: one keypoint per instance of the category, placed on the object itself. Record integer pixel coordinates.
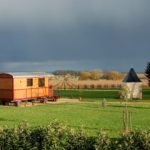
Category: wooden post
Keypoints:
(25, 103)
(104, 103)
(33, 102)
(18, 103)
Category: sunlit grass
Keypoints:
(89, 115)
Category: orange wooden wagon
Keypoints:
(23, 86)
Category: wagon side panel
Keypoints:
(20, 88)
(6, 88)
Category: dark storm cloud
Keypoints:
(88, 34)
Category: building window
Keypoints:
(41, 82)
(29, 82)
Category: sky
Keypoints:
(48, 35)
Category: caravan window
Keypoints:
(29, 82)
(41, 82)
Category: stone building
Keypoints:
(132, 86)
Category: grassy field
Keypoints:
(146, 93)
(90, 115)
(94, 94)
(87, 113)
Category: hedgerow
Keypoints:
(57, 136)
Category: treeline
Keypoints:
(66, 72)
(91, 75)
(97, 74)
(57, 136)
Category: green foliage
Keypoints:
(57, 136)
(87, 113)
(54, 136)
(136, 140)
(109, 94)
(102, 142)
(79, 140)
(146, 94)
(147, 72)
(104, 93)
(17, 138)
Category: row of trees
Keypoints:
(98, 74)
(111, 75)
(91, 75)
(66, 72)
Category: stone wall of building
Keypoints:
(134, 90)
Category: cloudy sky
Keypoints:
(46, 35)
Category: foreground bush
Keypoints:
(136, 140)
(57, 136)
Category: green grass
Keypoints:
(146, 93)
(90, 115)
(94, 94)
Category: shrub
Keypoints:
(96, 74)
(113, 75)
(93, 75)
(136, 140)
(99, 86)
(85, 86)
(15, 138)
(92, 86)
(78, 140)
(57, 136)
(103, 142)
(85, 75)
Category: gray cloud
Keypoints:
(95, 33)
(56, 13)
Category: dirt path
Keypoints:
(65, 100)
(129, 103)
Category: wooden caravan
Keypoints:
(23, 86)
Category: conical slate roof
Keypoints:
(131, 76)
